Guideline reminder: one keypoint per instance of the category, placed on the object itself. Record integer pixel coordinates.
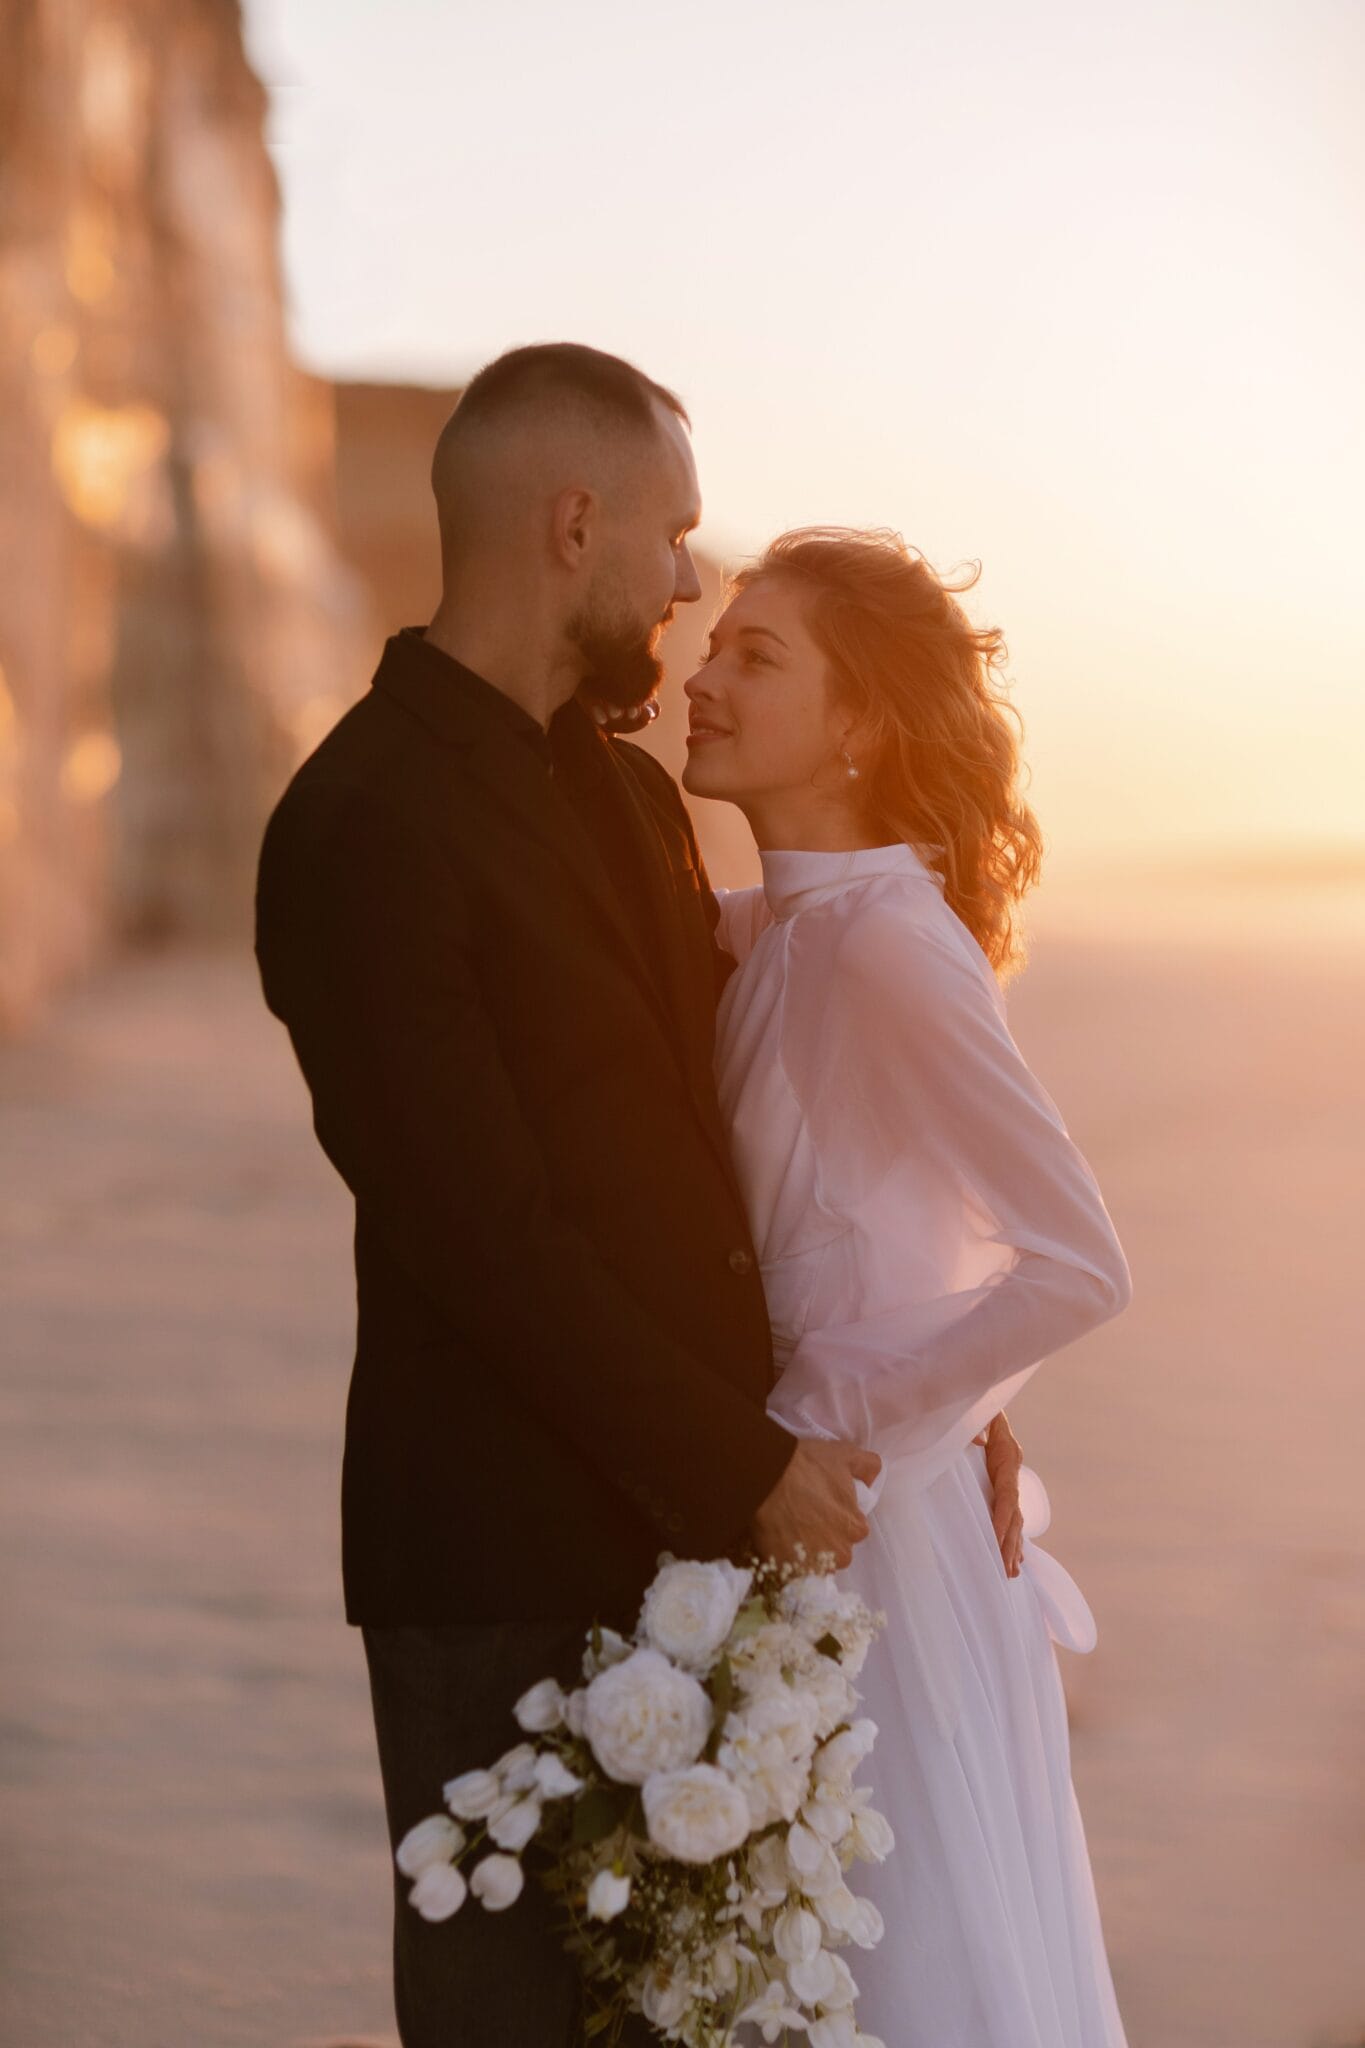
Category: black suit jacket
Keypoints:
(562, 1353)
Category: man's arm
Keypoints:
(415, 1108)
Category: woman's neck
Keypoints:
(791, 821)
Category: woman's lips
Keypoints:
(700, 734)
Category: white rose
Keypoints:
(540, 1709)
(690, 1609)
(814, 1602)
(496, 1882)
(871, 1836)
(797, 1935)
(435, 1840)
(554, 1779)
(575, 1707)
(644, 1716)
(514, 1826)
(473, 1796)
(608, 1895)
(439, 1891)
(696, 1814)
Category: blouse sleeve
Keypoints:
(969, 1240)
(744, 913)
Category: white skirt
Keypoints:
(992, 1930)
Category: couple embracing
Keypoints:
(694, 1224)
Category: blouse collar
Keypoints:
(795, 881)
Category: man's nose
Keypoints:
(687, 583)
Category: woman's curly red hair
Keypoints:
(938, 741)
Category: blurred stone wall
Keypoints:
(177, 625)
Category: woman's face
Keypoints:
(766, 728)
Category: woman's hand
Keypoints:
(1004, 1459)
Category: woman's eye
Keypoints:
(754, 658)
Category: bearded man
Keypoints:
(485, 922)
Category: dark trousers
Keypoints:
(443, 1701)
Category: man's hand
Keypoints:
(814, 1505)
(1004, 1458)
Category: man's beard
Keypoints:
(621, 669)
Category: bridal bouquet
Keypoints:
(695, 1808)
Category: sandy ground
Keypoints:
(192, 1852)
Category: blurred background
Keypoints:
(1072, 291)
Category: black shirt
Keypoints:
(578, 769)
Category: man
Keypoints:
(487, 928)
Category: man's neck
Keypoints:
(538, 680)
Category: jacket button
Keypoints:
(740, 1261)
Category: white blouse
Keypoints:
(927, 1230)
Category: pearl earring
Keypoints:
(849, 769)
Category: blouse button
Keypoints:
(740, 1261)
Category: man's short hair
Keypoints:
(554, 369)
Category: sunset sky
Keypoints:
(1074, 290)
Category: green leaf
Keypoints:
(830, 1646)
(722, 1692)
(598, 2023)
(600, 1810)
(750, 1619)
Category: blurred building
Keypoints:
(175, 617)
(202, 545)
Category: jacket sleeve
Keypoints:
(416, 1110)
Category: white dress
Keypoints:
(928, 1233)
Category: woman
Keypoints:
(928, 1233)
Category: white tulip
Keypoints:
(614, 1649)
(837, 1759)
(608, 1895)
(872, 1836)
(767, 1871)
(472, 1796)
(772, 2014)
(554, 1779)
(513, 1828)
(827, 1814)
(435, 1840)
(541, 1708)
(643, 1716)
(439, 1891)
(690, 1609)
(814, 1981)
(496, 1882)
(797, 1935)
(665, 1998)
(516, 1772)
(835, 2030)
(866, 1926)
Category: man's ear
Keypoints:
(573, 523)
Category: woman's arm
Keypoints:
(953, 1171)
